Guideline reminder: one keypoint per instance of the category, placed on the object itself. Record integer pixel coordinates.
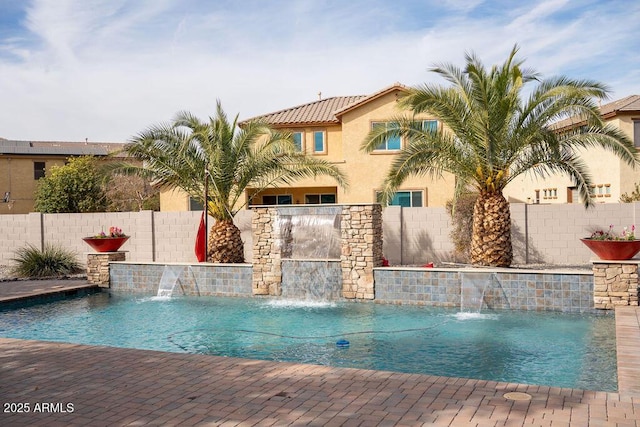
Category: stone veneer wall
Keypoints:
(267, 257)
(361, 230)
(615, 283)
(195, 279)
(361, 249)
(98, 266)
(515, 290)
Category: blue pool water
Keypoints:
(555, 349)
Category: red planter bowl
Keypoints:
(613, 249)
(106, 244)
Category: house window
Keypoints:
(318, 142)
(319, 199)
(430, 125)
(390, 142)
(297, 140)
(38, 170)
(636, 132)
(406, 199)
(195, 205)
(280, 199)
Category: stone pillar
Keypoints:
(361, 230)
(615, 283)
(98, 266)
(267, 258)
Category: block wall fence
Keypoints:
(411, 236)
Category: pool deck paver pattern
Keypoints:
(125, 387)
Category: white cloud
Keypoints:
(106, 70)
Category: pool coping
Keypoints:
(16, 291)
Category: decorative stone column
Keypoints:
(360, 243)
(267, 258)
(615, 283)
(361, 230)
(98, 266)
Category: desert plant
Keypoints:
(52, 261)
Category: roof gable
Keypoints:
(324, 111)
(394, 87)
(629, 103)
(317, 112)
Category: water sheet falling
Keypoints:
(174, 275)
(310, 236)
(473, 288)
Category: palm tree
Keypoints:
(180, 154)
(491, 134)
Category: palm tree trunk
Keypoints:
(225, 243)
(491, 238)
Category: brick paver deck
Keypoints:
(67, 384)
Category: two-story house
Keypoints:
(334, 129)
(23, 163)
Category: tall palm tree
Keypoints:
(491, 134)
(180, 154)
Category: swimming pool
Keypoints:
(554, 349)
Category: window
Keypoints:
(195, 205)
(390, 142)
(406, 199)
(315, 199)
(38, 170)
(430, 125)
(318, 142)
(636, 132)
(280, 199)
(297, 140)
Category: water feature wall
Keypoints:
(539, 290)
(191, 279)
(506, 289)
(320, 234)
(311, 280)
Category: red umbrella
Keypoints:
(201, 241)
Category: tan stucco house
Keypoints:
(334, 128)
(23, 163)
(611, 176)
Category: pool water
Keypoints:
(553, 349)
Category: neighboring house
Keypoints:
(333, 129)
(23, 163)
(611, 176)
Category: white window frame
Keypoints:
(324, 141)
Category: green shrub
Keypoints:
(51, 262)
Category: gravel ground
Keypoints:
(5, 273)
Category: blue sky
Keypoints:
(107, 69)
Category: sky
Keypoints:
(106, 70)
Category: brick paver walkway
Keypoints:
(65, 384)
